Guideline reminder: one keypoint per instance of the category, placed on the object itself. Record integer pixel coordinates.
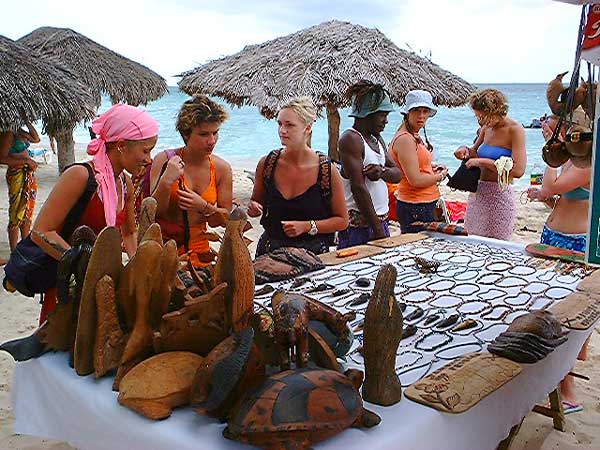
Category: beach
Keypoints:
(18, 318)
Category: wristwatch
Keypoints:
(313, 228)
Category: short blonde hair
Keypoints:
(489, 102)
(304, 108)
(197, 110)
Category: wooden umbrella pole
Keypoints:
(333, 125)
(65, 147)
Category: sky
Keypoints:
(483, 41)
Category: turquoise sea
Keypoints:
(246, 136)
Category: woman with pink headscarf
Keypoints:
(125, 137)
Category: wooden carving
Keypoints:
(110, 340)
(153, 233)
(145, 265)
(164, 284)
(234, 266)
(382, 335)
(291, 314)
(464, 382)
(590, 284)
(105, 260)
(579, 311)
(147, 216)
(231, 369)
(160, 383)
(198, 327)
(298, 408)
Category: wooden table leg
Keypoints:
(506, 443)
(555, 411)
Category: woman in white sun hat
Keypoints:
(417, 192)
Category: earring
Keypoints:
(120, 149)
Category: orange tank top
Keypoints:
(407, 192)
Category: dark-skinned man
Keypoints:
(366, 166)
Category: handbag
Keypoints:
(30, 270)
(465, 179)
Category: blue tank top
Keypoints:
(493, 151)
(579, 193)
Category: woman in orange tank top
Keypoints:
(417, 192)
(195, 183)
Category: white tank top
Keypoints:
(377, 189)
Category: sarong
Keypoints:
(491, 211)
(22, 190)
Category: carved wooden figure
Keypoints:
(382, 335)
(160, 383)
(145, 266)
(105, 260)
(295, 409)
(164, 284)
(147, 216)
(230, 370)
(234, 266)
(110, 339)
(291, 314)
(197, 327)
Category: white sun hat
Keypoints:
(417, 99)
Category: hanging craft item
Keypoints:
(298, 408)
(382, 335)
(464, 382)
(504, 165)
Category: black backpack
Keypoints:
(32, 271)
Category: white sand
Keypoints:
(18, 317)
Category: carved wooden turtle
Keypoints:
(297, 408)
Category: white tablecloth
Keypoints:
(50, 400)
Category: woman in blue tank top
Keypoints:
(500, 145)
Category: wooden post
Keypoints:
(66, 147)
(333, 126)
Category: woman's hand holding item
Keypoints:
(293, 228)
(255, 209)
(462, 152)
(173, 171)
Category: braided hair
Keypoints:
(411, 131)
(357, 92)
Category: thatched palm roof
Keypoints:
(100, 69)
(36, 88)
(321, 62)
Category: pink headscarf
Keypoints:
(121, 122)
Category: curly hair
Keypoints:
(489, 102)
(303, 107)
(197, 110)
(359, 91)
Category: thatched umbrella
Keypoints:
(100, 69)
(321, 62)
(34, 88)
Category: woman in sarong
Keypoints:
(21, 181)
(499, 151)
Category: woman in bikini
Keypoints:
(492, 211)
(125, 137)
(567, 192)
(192, 186)
(417, 193)
(297, 190)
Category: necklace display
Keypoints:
(460, 295)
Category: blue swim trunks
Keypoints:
(557, 239)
